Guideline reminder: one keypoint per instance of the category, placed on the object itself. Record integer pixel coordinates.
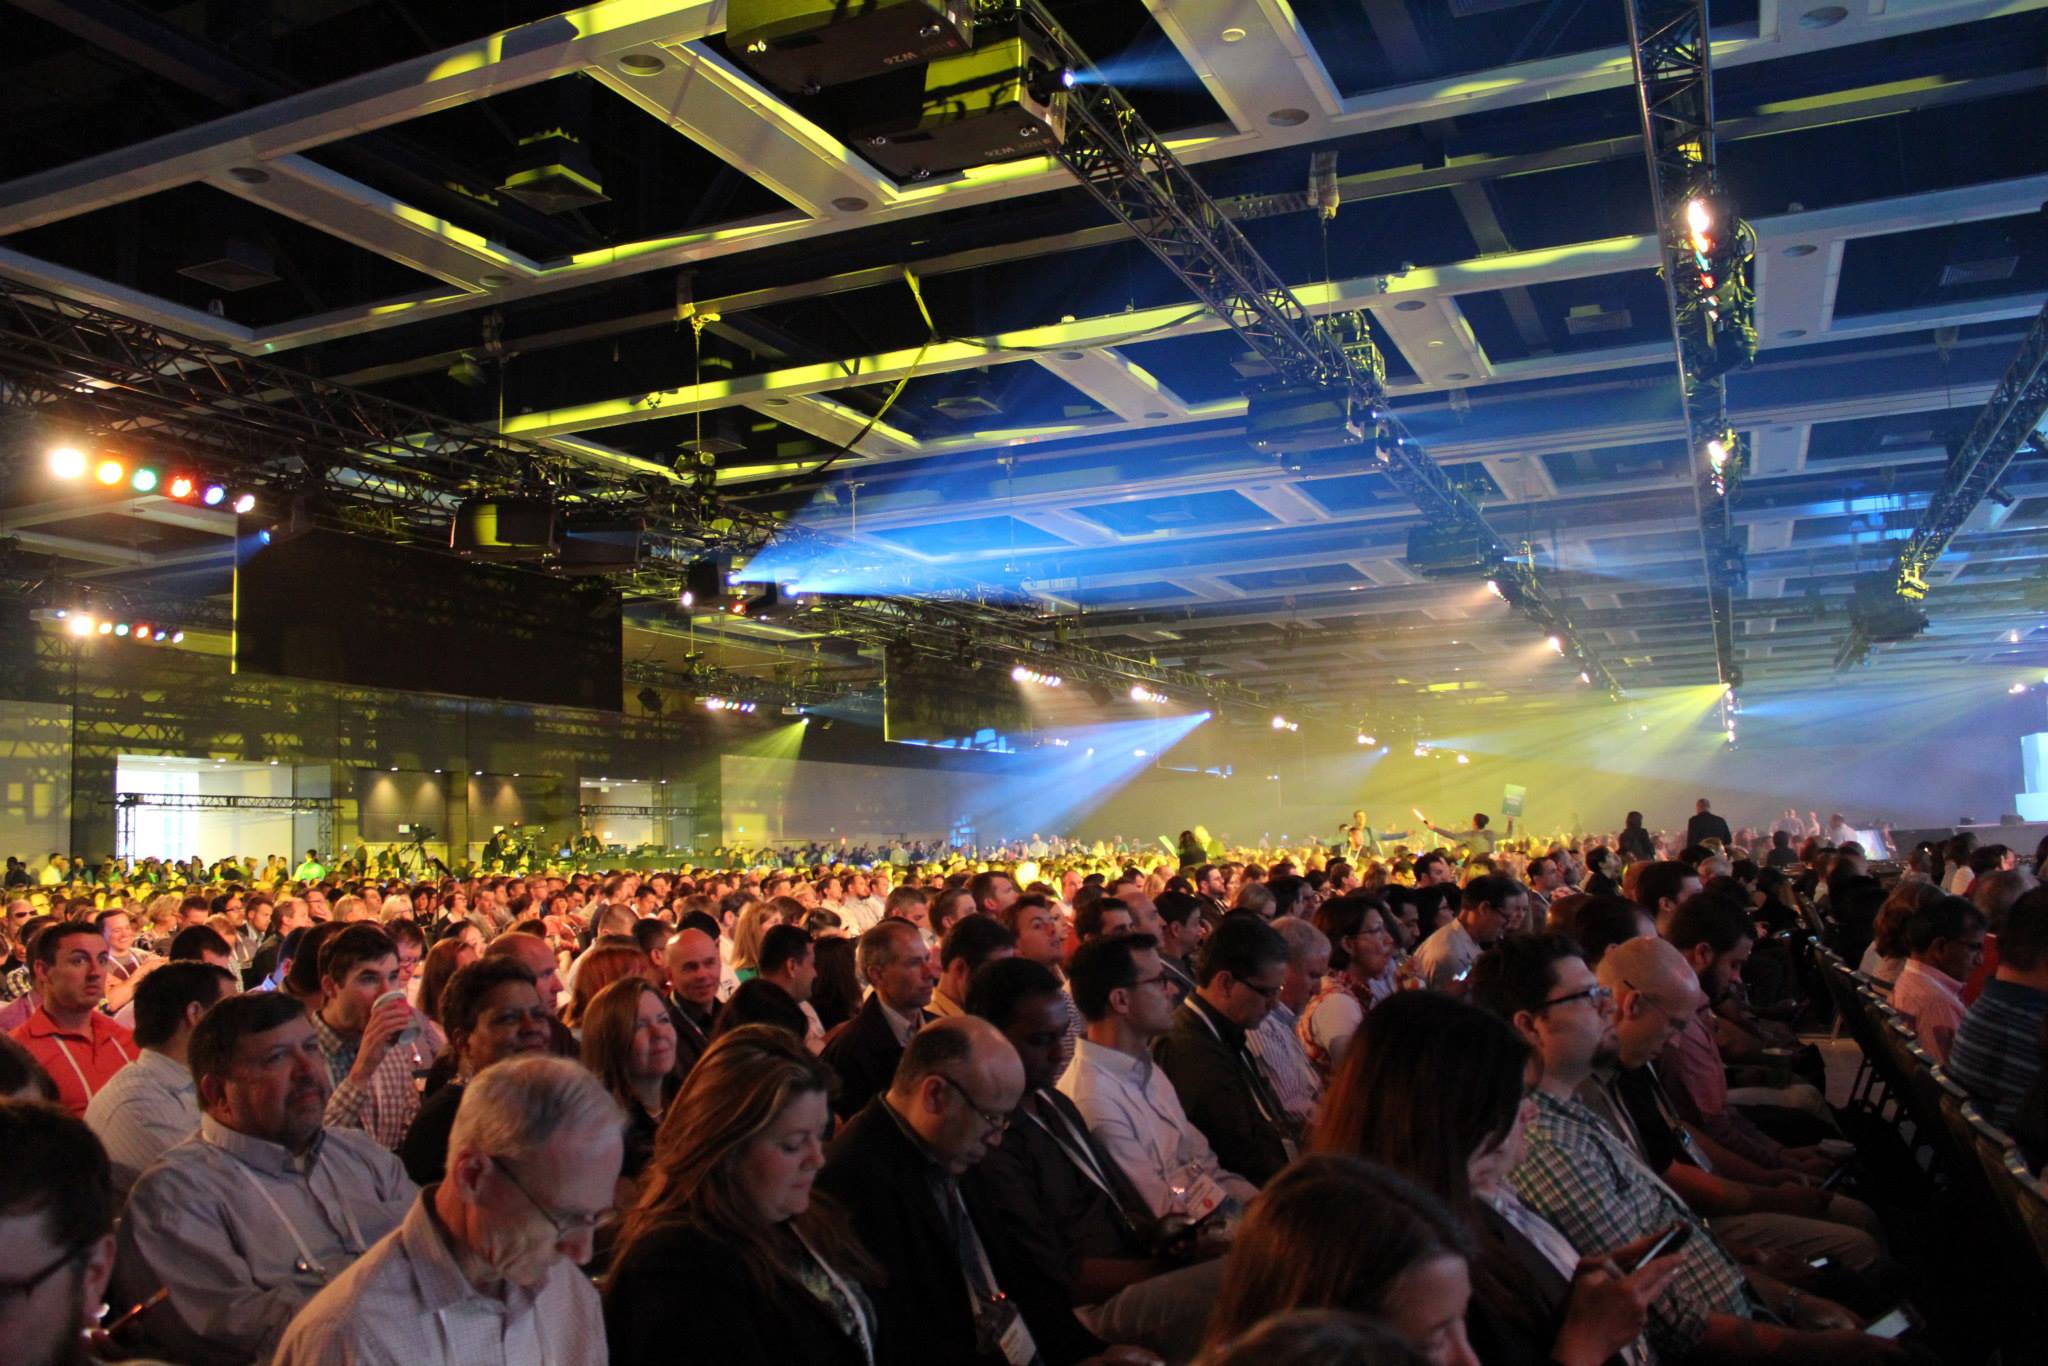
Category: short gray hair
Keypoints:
(514, 1107)
(1304, 941)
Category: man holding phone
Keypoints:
(365, 1027)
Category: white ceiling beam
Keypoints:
(1436, 339)
(1775, 534)
(1522, 478)
(838, 425)
(164, 561)
(1068, 526)
(1119, 384)
(730, 116)
(1778, 449)
(1286, 502)
(309, 193)
(1255, 60)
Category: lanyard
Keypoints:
(83, 1084)
(1255, 1083)
(1077, 1151)
(308, 1263)
(845, 1292)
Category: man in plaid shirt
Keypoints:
(1584, 1178)
(368, 1055)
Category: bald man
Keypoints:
(539, 957)
(951, 1299)
(693, 972)
(1655, 992)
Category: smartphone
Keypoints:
(1834, 1178)
(1673, 1238)
(1462, 974)
(1820, 1263)
(1891, 1325)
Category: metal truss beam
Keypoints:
(1674, 96)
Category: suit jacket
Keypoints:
(880, 1174)
(1204, 1056)
(864, 1053)
(692, 1038)
(1518, 1297)
(742, 1328)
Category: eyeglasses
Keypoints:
(565, 1225)
(15, 1292)
(996, 1120)
(1594, 994)
(1153, 980)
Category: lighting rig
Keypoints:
(1707, 252)
(1883, 608)
(69, 463)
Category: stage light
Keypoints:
(106, 628)
(1019, 674)
(177, 637)
(1699, 224)
(144, 480)
(120, 628)
(1585, 676)
(1556, 645)
(1464, 758)
(141, 631)
(2012, 637)
(160, 634)
(180, 486)
(1493, 587)
(2017, 689)
(1421, 750)
(213, 495)
(67, 462)
(245, 502)
(110, 472)
(80, 625)
(1366, 738)
(1282, 723)
(264, 536)
(1141, 693)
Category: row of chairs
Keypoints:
(1975, 1164)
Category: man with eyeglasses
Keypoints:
(247, 1220)
(56, 1235)
(1583, 1177)
(1125, 994)
(484, 1267)
(1225, 1094)
(896, 1168)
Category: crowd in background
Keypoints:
(1430, 1095)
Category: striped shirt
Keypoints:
(1584, 1178)
(1997, 1049)
(1285, 1062)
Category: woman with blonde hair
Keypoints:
(755, 920)
(726, 1209)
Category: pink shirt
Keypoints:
(1933, 1001)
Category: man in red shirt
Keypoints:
(76, 1044)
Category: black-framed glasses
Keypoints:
(1155, 980)
(14, 1292)
(1595, 994)
(565, 1225)
(995, 1120)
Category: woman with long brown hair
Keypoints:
(1336, 1232)
(726, 1210)
(629, 1042)
(611, 958)
(1432, 1088)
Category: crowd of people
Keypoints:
(1497, 1100)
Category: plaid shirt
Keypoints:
(385, 1108)
(1584, 1178)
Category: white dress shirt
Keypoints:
(1136, 1116)
(145, 1109)
(405, 1302)
(243, 1232)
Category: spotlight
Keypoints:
(213, 495)
(140, 630)
(1493, 587)
(67, 462)
(245, 502)
(1141, 693)
(1019, 674)
(160, 634)
(1421, 750)
(106, 628)
(180, 486)
(1365, 738)
(80, 625)
(1585, 676)
(1282, 723)
(110, 472)
(1464, 758)
(177, 637)
(1067, 78)
(144, 480)
(120, 628)
(2017, 688)
(2012, 637)
(1556, 645)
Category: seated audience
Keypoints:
(1946, 942)
(1488, 904)
(1130, 1106)
(1204, 1055)
(244, 1222)
(1434, 1092)
(77, 1044)
(693, 971)
(21, 1076)
(1276, 1044)
(1997, 1050)
(835, 995)
(973, 940)
(1315, 1337)
(1335, 1232)
(863, 1051)
(789, 961)
(897, 1167)
(152, 1104)
(483, 1268)
(609, 960)
(1583, 1178)
(727, 1209)
(629, 1044)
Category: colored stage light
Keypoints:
(180, 486)
(110, 472)
(144, 480)
(213, 495)
(67, 462)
